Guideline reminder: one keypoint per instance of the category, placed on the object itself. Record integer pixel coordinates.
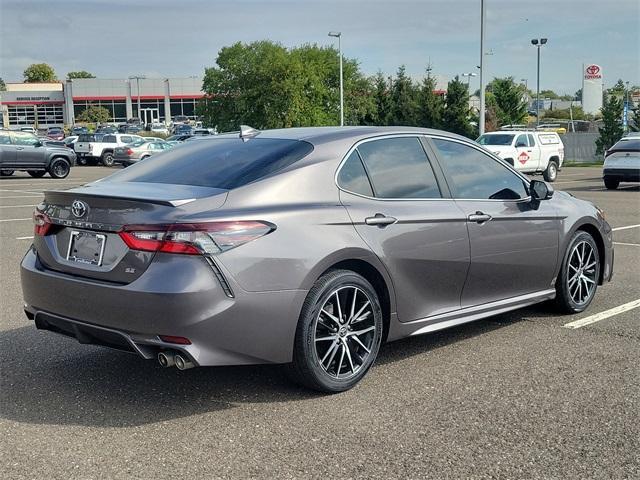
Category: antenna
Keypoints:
(247, 132)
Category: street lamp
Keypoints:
(538, 43)
(338, 35)
(137, 78)
(481, 66)
(469, 75)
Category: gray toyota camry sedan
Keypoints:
(307, 247)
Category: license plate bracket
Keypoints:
(86, 248)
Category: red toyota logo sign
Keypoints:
(593, 69)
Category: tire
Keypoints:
(81, 161)
(6, 173)
(59, 168)
(340, 360)
(611, 183)
(107, 159)
(36, 173)
(570, 296)
(551, 173)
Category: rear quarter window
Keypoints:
(225, 163)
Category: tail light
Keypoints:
(128, 152)
(41, 223)
(193, 238)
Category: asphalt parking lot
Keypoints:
(518, 395)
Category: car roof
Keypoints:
(316, 135)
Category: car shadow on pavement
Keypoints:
(47, 379)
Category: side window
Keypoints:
(521, 141)
(126, 139)
(471, 174)
(399, 168)
(109, 139)
(5, 139)
(23, 138)
(352, 176)
(532, 142)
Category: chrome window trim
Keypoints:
(430, 136)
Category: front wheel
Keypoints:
(36, 173)
(339, 333)
(611, 183)
(578, 279)
(551, 173)
(59, 168)
(6, 173)
(107, 159)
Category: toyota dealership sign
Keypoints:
(592, 88)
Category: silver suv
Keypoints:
(24, 151)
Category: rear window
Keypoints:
(224, 163)
(626, 145)
(109, 139)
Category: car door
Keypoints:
(29, 150)
(7, 150)
(523, 160)
(404, 214)
(534, 151)
(514, 241)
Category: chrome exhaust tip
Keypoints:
(166, 359)
(183, 363)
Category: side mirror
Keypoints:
(38, 144)
(540, 190)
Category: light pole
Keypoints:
(538, 43)
(469, 75)
(482, 108)
(338, 35)
(137, 78)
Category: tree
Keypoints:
(266, 85)
(80, 74)
(430, 104)
(611, 130)
(94, 114)
(511, 108)
(548, 94)
(404, 102)
(39, 72)
(381, 99)
(578, 95)
(3, 86)
(456, 113)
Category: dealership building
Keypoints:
(43, 105)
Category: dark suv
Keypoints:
(24, 151)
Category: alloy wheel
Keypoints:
(344, 332)
(581, 272)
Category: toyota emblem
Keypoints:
(79, 208)
(593, 69)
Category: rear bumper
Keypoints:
(622, 174)
(177, 295)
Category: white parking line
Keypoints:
(16, 219)
(625, 228)
(19, 191)
(17, 206)
(22, 196)
(24, 238)
(603, 315)
(630, 244)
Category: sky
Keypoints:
(175, 38)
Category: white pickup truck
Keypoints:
(99, 147)
(527, 151)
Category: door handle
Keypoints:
(19, 148)
(479, 217)
(380, 220)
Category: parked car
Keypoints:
(180, 119)
(154, 139)
(75, 131)
(622, 163)
(26, 152)
(307, 247)
(133, 128)
(51, 143)
(132, 153)
(201, 131)
(99, 148)
(28, 130)
(70, 141)
(179, 138)
(55, 133)
(160, 128)
(527, 152)
(107, 129)
(181, 129)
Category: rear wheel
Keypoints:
(551, 173)
(36, 173)
(59, 168)
(107, 159)
(611, 183)
(339, 333)
(6, 173)
(578, 279)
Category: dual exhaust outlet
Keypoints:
(170, 359)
